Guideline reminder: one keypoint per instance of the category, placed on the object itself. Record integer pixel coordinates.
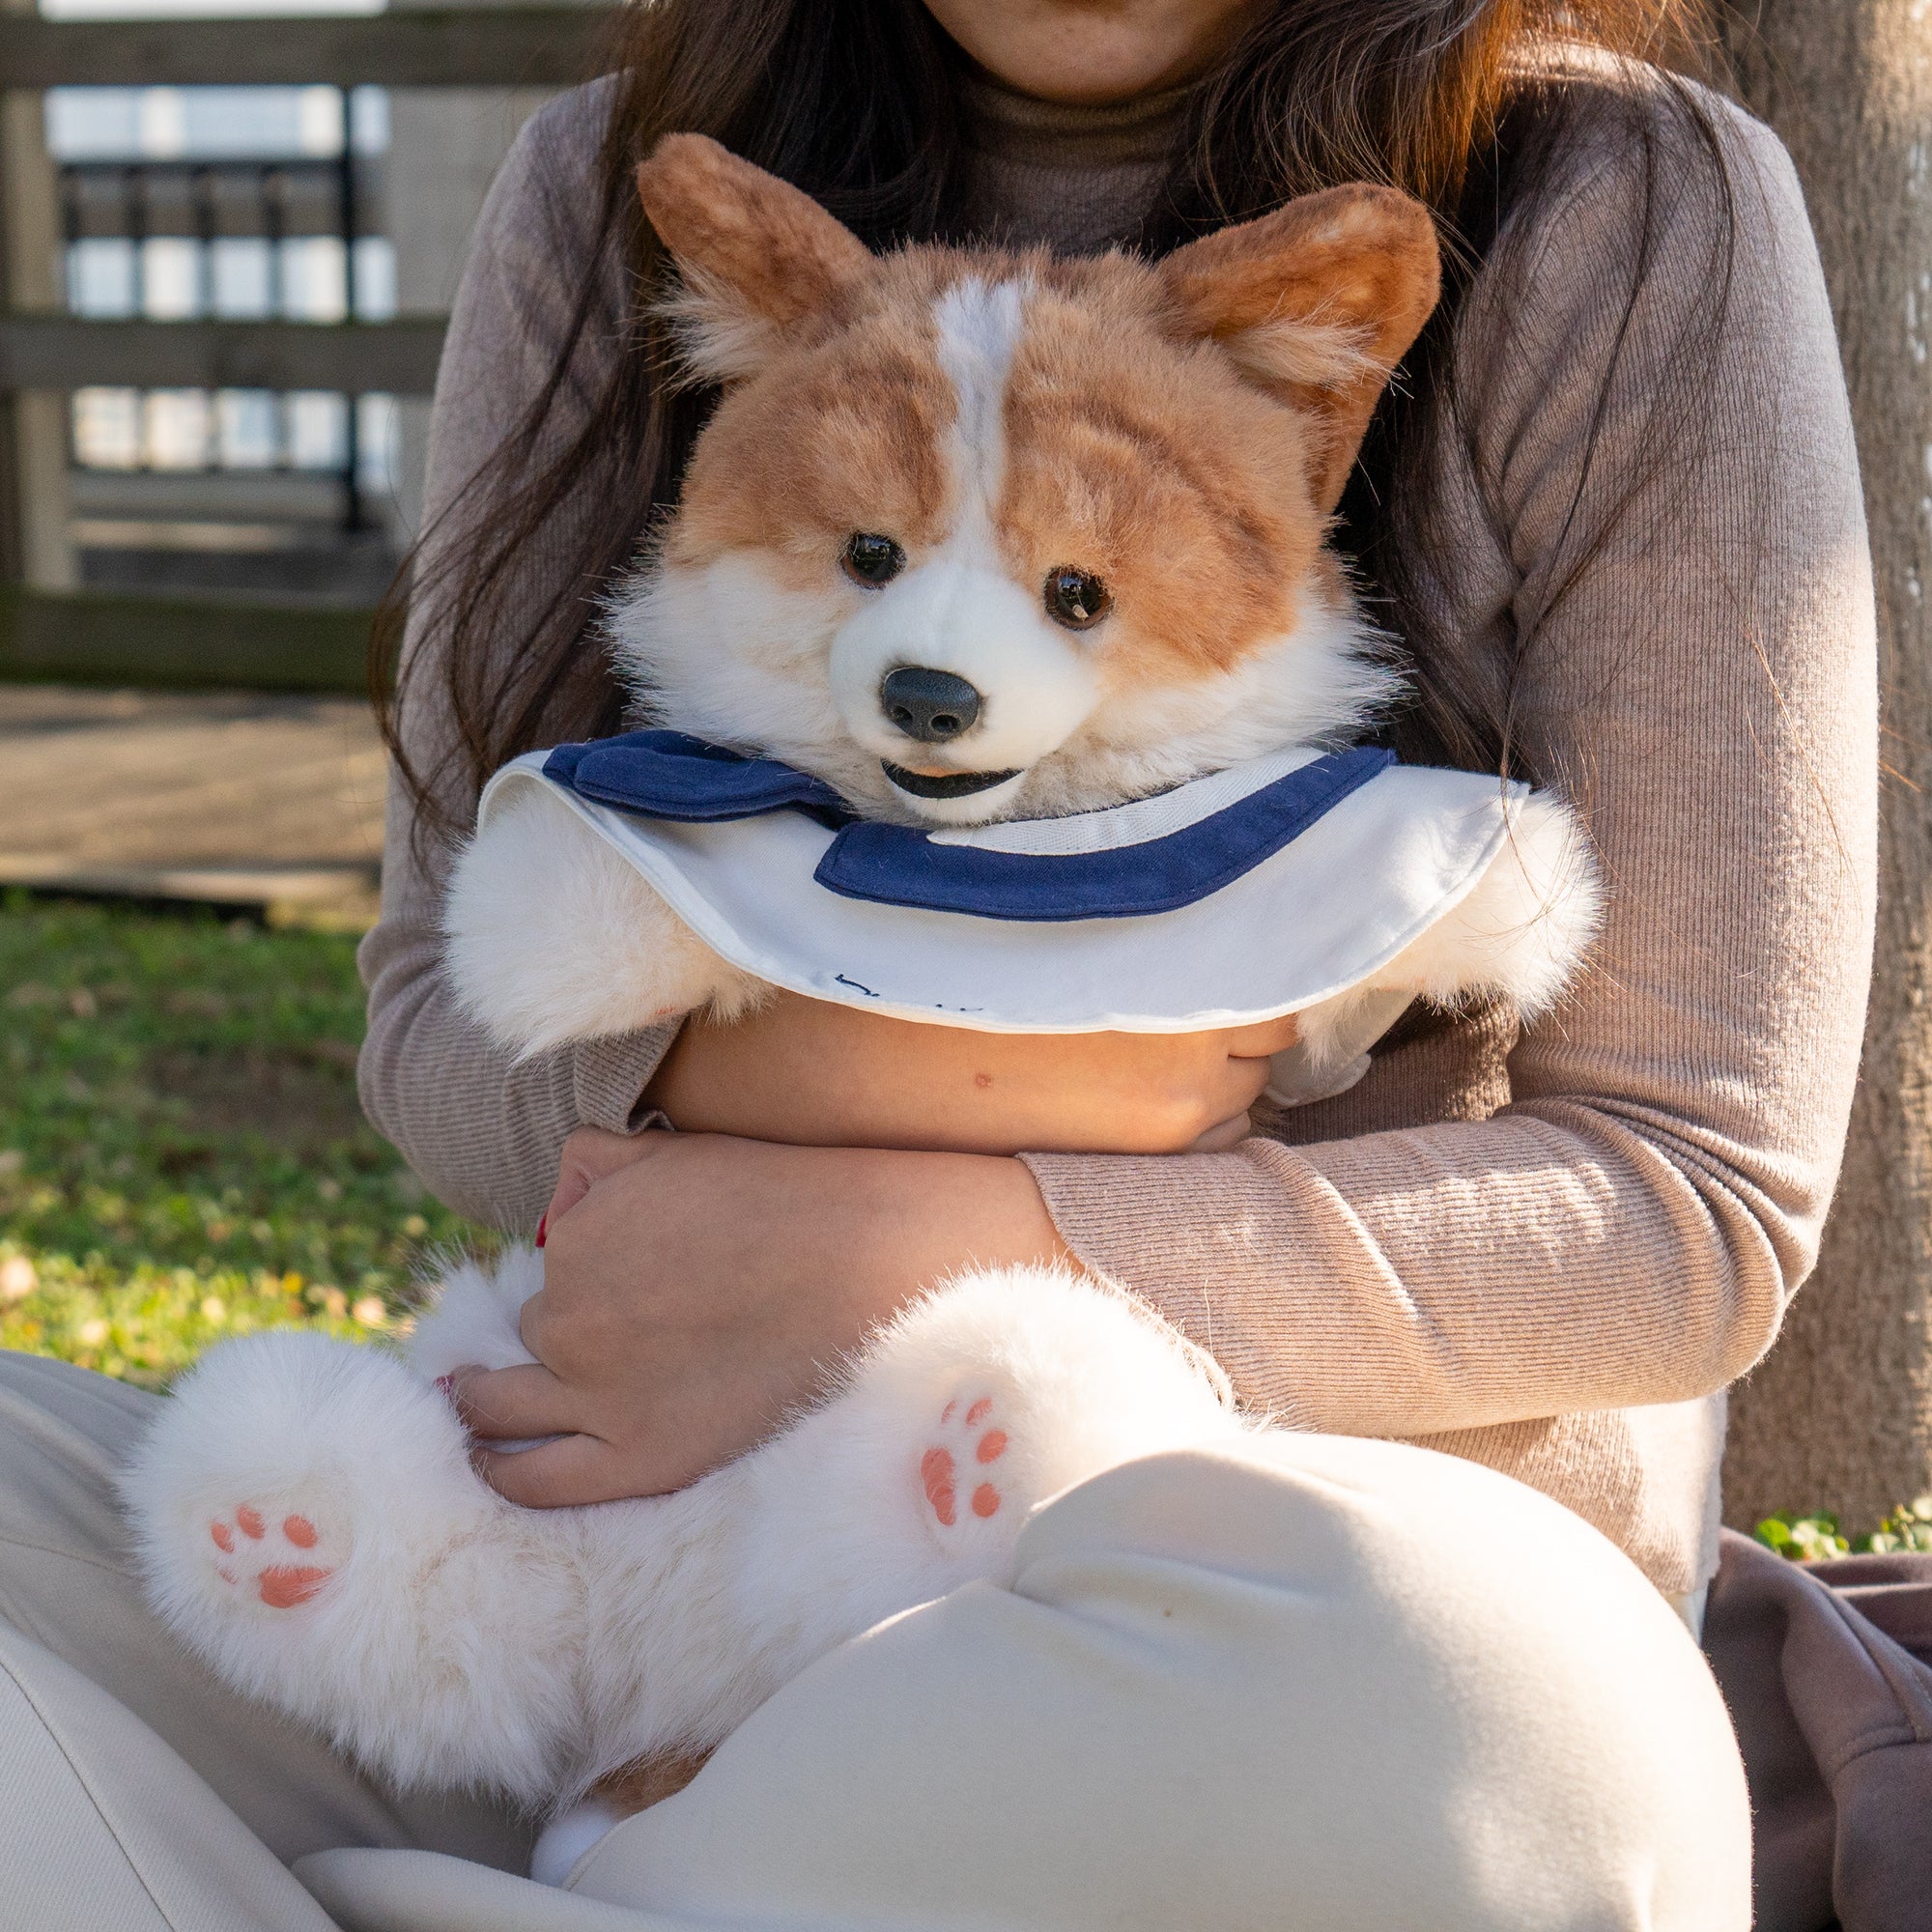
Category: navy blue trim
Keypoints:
(670, 775)
(895, 865)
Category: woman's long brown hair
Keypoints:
(855, 101)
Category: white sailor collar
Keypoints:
(1243, 896)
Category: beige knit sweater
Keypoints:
(1547, 1252)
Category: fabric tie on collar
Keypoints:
(672, 775)
(1128, 862)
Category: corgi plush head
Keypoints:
(978, 535)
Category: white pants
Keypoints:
(1280, 1686)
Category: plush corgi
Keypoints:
(982, 542)
(996, 673)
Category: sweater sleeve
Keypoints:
(482, 1130)
(1674, 543)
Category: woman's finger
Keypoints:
(572, 1185)
(588, 1155)
(553, 1475)
(511, 1405)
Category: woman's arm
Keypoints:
(482, 1130)
(814, 1074)
(1628, 1229)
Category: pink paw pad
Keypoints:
(267, 1561)
(946, 1467)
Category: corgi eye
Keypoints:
(872, 559)
(1075, 598)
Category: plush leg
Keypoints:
(999, 1389)
(309, 1525)
(553, 937)
(992, 1393)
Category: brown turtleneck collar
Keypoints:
(1077, 178)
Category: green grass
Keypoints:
(182, 1157)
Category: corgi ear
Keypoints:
(1317, 301)
(755, 254)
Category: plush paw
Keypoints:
(553, 936)
(308, 1523)
(957, 1470)
(279, 1557)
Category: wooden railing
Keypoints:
(175, 641)
(480, 47)
(59, 352)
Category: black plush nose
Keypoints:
(930, 705)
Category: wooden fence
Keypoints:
(96, 638)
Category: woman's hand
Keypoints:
(817, 1074)
(698, 1284)
(698, 1287)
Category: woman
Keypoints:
(1617, 523)
(1618, 527)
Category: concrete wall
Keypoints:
(445, 146)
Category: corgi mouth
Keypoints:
(945, 785)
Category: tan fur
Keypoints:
(1154, 466)
(1359, 264)
(650, 1780)
(764, 239)
(837, 436)
(1180, 431)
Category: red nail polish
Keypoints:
(543, 1227)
